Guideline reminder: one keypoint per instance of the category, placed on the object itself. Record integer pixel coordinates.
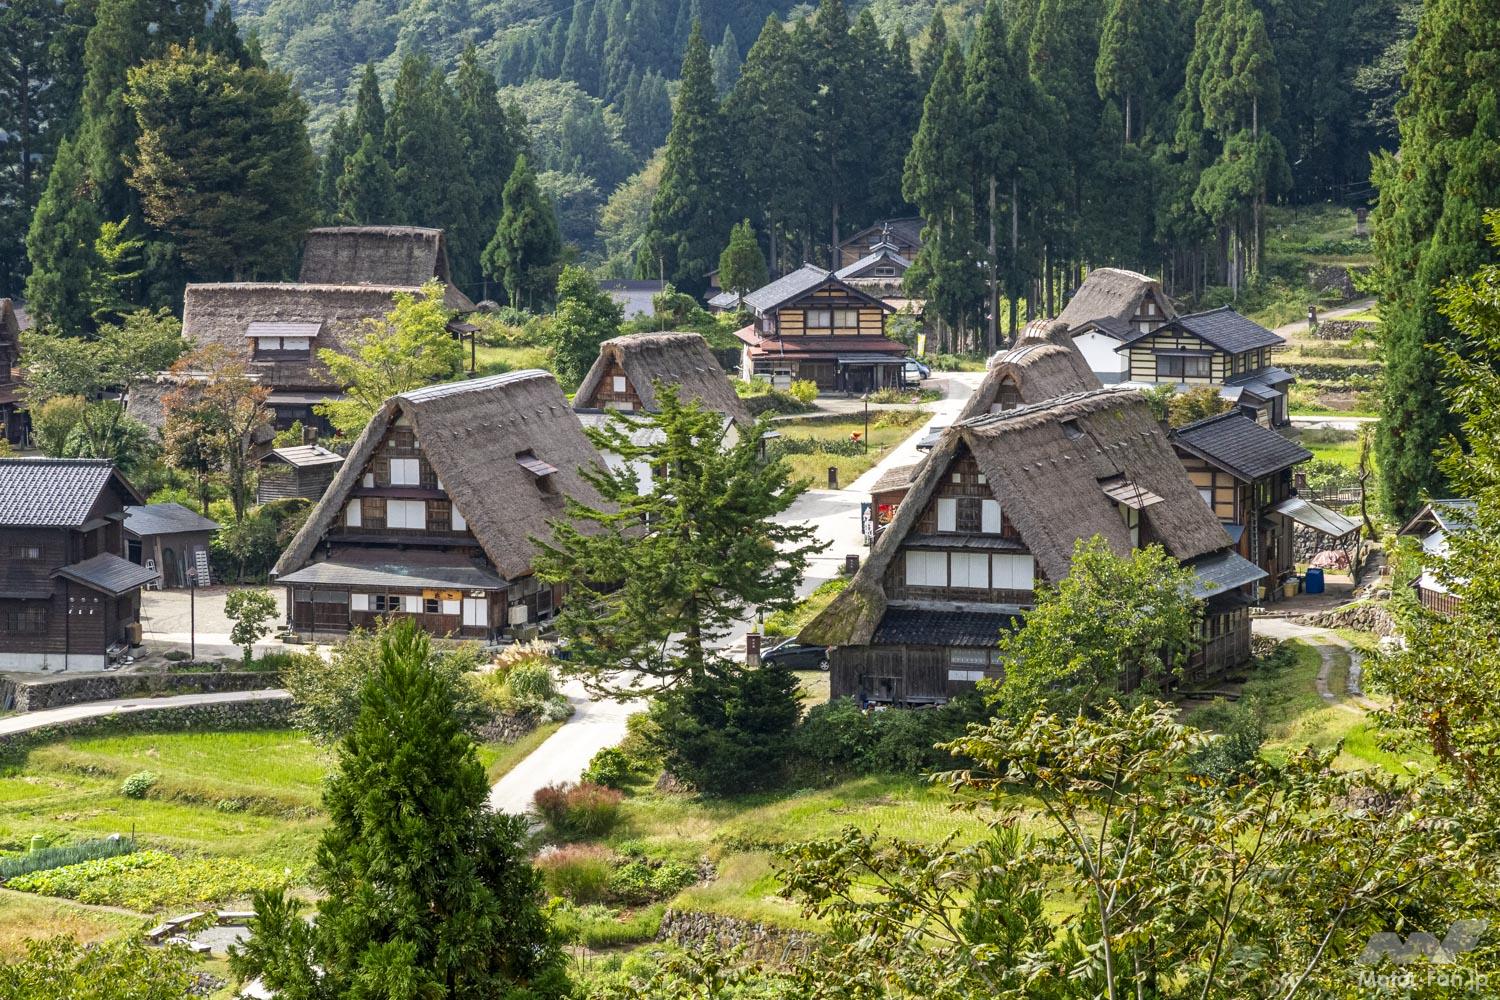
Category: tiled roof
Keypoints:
(788, 286)
(51, 492)
(165, 519)
(109, 573)
(1222, 327)
(1222, 571)
(919, 627)
(1239, 445)
(303, 455)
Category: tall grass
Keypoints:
(48, 858)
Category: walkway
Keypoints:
(27, 721)
(1299, 327)
(1327, 642)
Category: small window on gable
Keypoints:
(958, 477)
(544, 474)
(618, 383)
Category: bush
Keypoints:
(579, 874)
(1240, 733)
(272, 661)
(838, 738)
(176, 655)
(138, 784)
(576, 811)
(48, 858)
(531, 683)
(610, 768)
(803, 390)
(642, 742)
(728, 732)
(597, 927)
(641, 881)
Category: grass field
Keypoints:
(499, 758)
(886, 431)
(24, 916)
(496, 360)
(1333, 446)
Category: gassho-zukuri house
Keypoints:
(432, 514)
(997, 508)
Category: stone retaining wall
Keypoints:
(763, 943)
(55, 692)
(272, 713)
(1342, 329)
(1365, 616)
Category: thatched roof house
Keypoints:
(1109, 307)
(628, 370)
(434, 510)
(998, 506)
(407, 256)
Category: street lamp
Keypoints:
(192, 578)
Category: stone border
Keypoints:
(228, 716)
(57, 692)
(762, 942)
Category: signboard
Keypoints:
(921, 344)
(442, 595)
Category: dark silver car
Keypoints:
(795, 655)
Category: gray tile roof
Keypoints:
(1222, 571)
(918, 627)
(165, 519)
(109, 573)
(870, 260)
(51, 492)
(304, 455)
(1239, 445)
(1224, 328)
(787, 287)
(396, 569)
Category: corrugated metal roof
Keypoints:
(165, 519)
(109, 573)
(51, 492)
(396, 570)
(281, 328)
(1305, 512)
(304, 455)
(1222, 571)
(919, 627)
(1128, 493)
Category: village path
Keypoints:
(28, 721)
(1327, 642)
(834, 517)
(1299, 327)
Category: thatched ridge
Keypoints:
(1045, 464)
(1112, 293)
(680, 359)
(1040, 369)
(407, 256)
(471, 433)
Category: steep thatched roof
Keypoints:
(222, 314)
(379, 255)
(1049, 466)
(1039, 369)
(473, 434)
(1110, 292)
(10, 326)
(680, 359)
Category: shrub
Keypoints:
(48, 858)
(902, 418)
(803, 390)
(138, 784)
(775, 401)
(580, 874)
(791, 620)
(597, 927)
(728, 732)
(1240, 733)
(176, 655)
(839, 738)
(576, 811)
(610, 768)
(642, 742)
(640, 881)
(531, 683)
(272, 661)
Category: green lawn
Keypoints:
(499, 758)
(1330, 445)
(886, 431)
(495, 360)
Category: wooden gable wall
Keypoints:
(1227, 499)
(378, 489)
(607, 397)
(792, 320)
(1144, 353)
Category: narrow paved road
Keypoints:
(28, 721)
(833, 514)
(1328, 643)
(1299, 327)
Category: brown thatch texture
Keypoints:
(1111, 292)
(471, 433)
(221, 313)
(1040, 370)
(379, 255)
(680, 359)
(1048, 483)
(10, 326)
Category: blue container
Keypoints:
(1312, 581)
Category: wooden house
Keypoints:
(879, 272)
(1244, 473)
(170, 539)
(902, 236)
(350, 275)
(69, 599)
(303, 470)
(996, 510)
(811, 325)
(1110, 307)
(1433, 526)
(14, 426)
(432, 515)
(635, 297)
(1218, 348)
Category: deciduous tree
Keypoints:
(213, 415)
(586, 317)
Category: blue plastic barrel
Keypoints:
(1313, 581)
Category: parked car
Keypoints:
(796, 655)
(915, 371)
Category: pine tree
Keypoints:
(578, 63)
(425, 891)
(647, 113)
(342, 144)
(586, 317)
(429, 158)
(1123, 67)
(1428, 231)
(998, 95)
(29, 118)
(369, 112)
(725, 59)
(223, 165)
(939, 182)
(526, 247)
(492, 142)
(772, 101)
(367, 187)
(697, 196)
(933, 48)
(898, 92)
(60, 245)
(742, 267)
(841, 133)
